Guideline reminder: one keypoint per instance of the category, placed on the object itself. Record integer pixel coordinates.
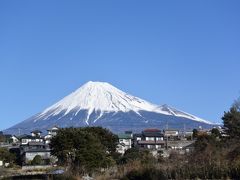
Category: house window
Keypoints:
(139, 139)
(159, 138)
(150, 146)
(158, 146)
(24, 141)
(149, 138)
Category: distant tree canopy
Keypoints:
(106, 137)
(84, 149)
(2, 137)
(231, 120)
(215, 132)
(6, 156)
(195, 133)
(203, 141)
(136, 154)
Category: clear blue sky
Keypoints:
(182, 53)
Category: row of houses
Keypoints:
(27, 147)
(155, 139)
(35, 144)
(164, 141)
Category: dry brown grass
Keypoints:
(120, 171)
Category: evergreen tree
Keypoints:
(215, 132)
(231, 121)
(80, 149)
(106, 137)
(6, 156)
(136, 154)
(195, 133)
(37, 160)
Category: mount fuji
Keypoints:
(101, 104)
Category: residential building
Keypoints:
(125, 142)
(151, 139)
(171, 134)
(32, 145)
(14, 139)
(25, 139)
(51, 133)
(8, 139)
(36, 133)
(32, 149)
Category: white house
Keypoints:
(25, 139)
(51, 133)
(32, 149)
(14, 139)
(172, 134)
(150, 139)
(124, 142)
(36, 133)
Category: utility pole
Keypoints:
(166, 136)
(184, 130)
(167, 142)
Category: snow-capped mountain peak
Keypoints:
(100, 96)
(101, 104)
(103, 97)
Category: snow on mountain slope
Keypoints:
(178, 113)
(105, 98)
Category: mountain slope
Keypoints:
(101, 104)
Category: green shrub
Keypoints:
(37, 160)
